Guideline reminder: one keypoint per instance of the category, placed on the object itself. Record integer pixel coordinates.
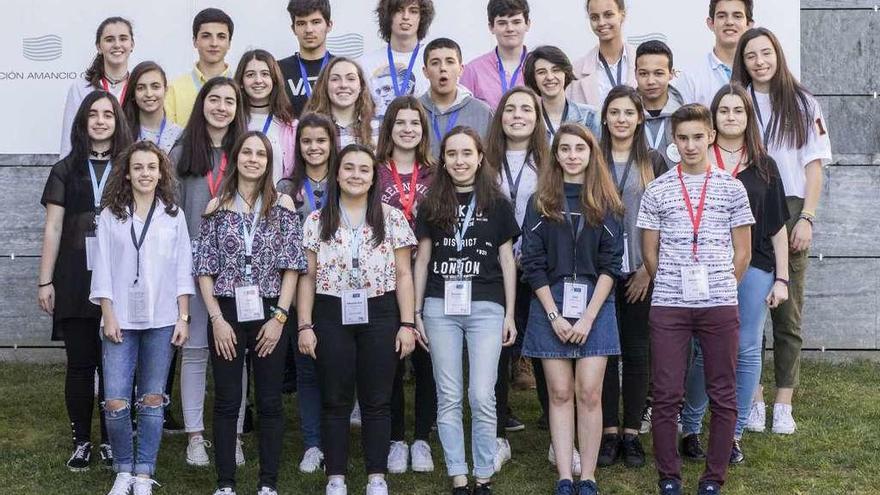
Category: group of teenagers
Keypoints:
(624, 226)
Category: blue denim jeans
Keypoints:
(150, 352)
(447, 336)
(309, 398)
(752, 292)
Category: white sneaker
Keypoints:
(398, 457)
(143, 486)
(377, 486)
(355, 419)
(645, 427)
(783, 423)
(420, 454)
(122, 484)
(312, 460)
(336, 487)
(757, 417)
(267, 491)
(575, 460)
(502, 453)
(196, 455)
(239, 453)
(224, 491)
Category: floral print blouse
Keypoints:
(219, 250)
(377, 270)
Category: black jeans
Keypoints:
(83, 348)
(635, 352)
(425, 398)
(362, 357)
(268, 373)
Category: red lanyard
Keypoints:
(407, 202)
(214, 180)
(720, 161)
(106, 86)
(697, 219)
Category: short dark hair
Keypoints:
(438, 43)
(507, 8)
(654, 47)
(553, 55)
(212, 15)
(693, 112)
(750, 8)
(386, 9)
(302, 8)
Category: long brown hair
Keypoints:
(229, 186)
(311, 120)
(496, 140)
(364, 109)
(118, 195)
(386, 143)
(129, 102)
(279, 105)
(640, 151)
(599, 195)
(789, 123)
(331, 213)
(438, 206)
(756, 154)
(95, 72)
(195, 160)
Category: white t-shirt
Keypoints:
(700, 83)
(603, 82)
(528, 184)
(256, 123)
(375, 67)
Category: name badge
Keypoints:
(138, 304)
(248, 303)
(626, 267)
(672, 152)
(574, 298)
(695, 283)
(91, 251)
(457, 296)
(354, 307)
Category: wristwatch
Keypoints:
(552, 316)
(185, 318)
(280, 316)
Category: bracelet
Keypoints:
(214, 317)
(45, 285)
(418, 312)
(305, 326)
(807, 218)
(276, 309)
(784, 281)
(408, 325)
(808, 213)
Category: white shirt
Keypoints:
(700, 83)
(375, 67)
(604, 84)
(256, 123)
(528, 184)
(165, 260)
(170, 134)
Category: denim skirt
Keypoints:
(541, 341)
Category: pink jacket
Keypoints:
(587, 69)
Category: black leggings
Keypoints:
(425, 398)
(83, 347)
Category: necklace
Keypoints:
(732, 152)
(100, 154)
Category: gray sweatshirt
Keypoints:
(471, 112)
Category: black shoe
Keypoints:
(736, 453)
(691, 448)
(461, 490)
(669, 487)
(480, 489)
(564, 487)
(106, 453)
(633, 454)
(609, 450)
(543, 423)
(513, 424)
(248, 425)
(81, 457)
(709, 488)
(170, 426)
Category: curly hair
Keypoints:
(386, 9)
(118, 194)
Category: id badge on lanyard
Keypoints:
(695, 283)
(626, 266)
(355, 310)
(457, 291)
(248, 303)
(138, 303)
(695, 277)
(574, 298)
(91, 250)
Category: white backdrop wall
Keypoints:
(45, 44)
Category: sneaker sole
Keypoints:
(197, 463)
(756, 429)
(397, 471)
(78, 470)
(515, 428)
(784, 432)
(426, 468)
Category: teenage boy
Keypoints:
(696, 243)
(728, 20)
(449, 104)
(403, 24)
(491, 75)
(310, 21)
(653, 74)
(212, 35)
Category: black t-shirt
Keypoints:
(294, 86)
(488, 230)
(770, 211)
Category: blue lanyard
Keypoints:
(158, 138)
(304, 74)
(98, 187)
(502, 75)
(310, 194)
(267, 124)
(450, 123)
(460, 232)
(400, 89)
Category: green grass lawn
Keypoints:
(835, 451)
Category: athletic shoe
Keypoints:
(355, 419)
(587, 487)
(502, 454)
(170, 425)
(523, 375)
(377, 486)
(736, 452)
(669, 487)
(609, 450)
(398, 457)
(783, 423)
(81, 457)
(267, 491)
(312, 460)
(461, 490)
(336, 487)
(692, 449)
(646, 420)
(420, 456)
(143, 486)
(122, 484)
(564, 487)
(106, 453)
(709, 488)
(757, 417)
(483, 489)
(196, 455)
(224, 491)
(513, 424)
(632, 452)
(239, 452)
(575, 460)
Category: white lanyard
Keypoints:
(654, 141)
(249, 234)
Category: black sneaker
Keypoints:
(106, 454)
(513, 424)
(736, 453)
(709, 488)
(461, 490)
(587, 487)
(691, 448)
(81, 457)
(609, 450)
(480, 489)
(170, 425)
(543, 423)
(564, 487)
(669, 487)
(633, 454)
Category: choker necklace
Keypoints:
(114, 82)
(260, 106)
(732, 151)
(100, 154)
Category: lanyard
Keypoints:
(513, 185)
(106, 85)
(654, 141)
(766, 128)
(407, 202)
(461, 231)
(697, 219)
(619, 80)
(720, 161)
(141, 136)
(310, 194)
(400, 89)
(357, 236)
(626, 169)
(267, 124)
(502, 74)
(304, 74)
(249, 234)
(98, 187)
(214, 180)
(563, 120)
(450, 123)
(138, 242)
(576, 231)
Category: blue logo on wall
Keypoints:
(42, 48)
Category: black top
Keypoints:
(488, 230)
(70, 187)
(547, 248)
(293, 79)
(770, 211)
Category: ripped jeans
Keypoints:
(150, 352)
